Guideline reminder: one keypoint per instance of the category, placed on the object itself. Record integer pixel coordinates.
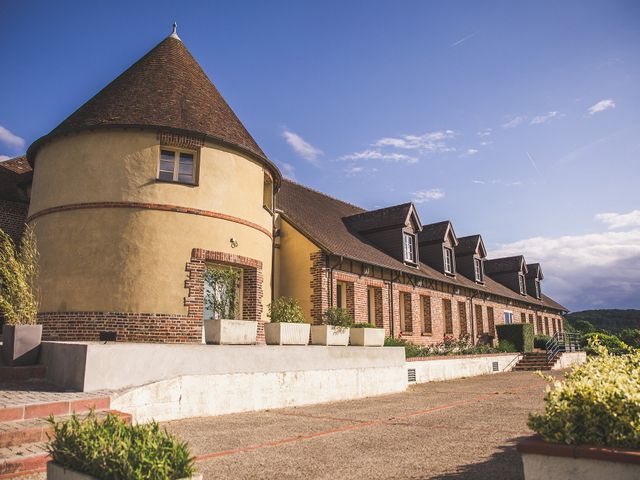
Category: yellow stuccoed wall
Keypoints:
(133, 260)
(293, 267)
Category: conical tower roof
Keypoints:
(166, 90)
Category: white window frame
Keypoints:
(508, 317)
(538, 294)
(521, 284)
(176, 165)
(478, 269)
(409, 247)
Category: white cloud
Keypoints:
(586, 271)
(484, 133)
(302, 147)
(543, 118)
(620, 220)
(485, 143)
(288, 170)
(514, 121)
(462, 40)
(379, 155)
(479, 182)
(427, 142)
(354, 170)
(601, 106)
(10, 139)
(4, 157)
(422, 196)
(470, 151)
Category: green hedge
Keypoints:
(520, 335)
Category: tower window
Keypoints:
(448, 260)
(177, 166)
(477, 266)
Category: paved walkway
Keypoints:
(460, 429)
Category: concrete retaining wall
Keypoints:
(443, 368)
(545, 467)
(569, 359)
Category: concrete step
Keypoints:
(28, 410)
(36, 429)
(22, 374)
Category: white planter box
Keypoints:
(329, 335)
(281, 333)
(57, 472)
(367, 337)
(230, 332)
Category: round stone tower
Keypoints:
(136, 192)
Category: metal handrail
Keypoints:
(562, 342)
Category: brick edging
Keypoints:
(535, 445)
(452, 357)
(151, 206)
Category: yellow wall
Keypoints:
(133, 260)
(293, 267)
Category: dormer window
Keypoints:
(177, 166)
(538, 294)
(521, 284)
(448, 260)
(409, 242)
(477, 268)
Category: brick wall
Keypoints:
(12, 218)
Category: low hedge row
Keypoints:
(520, 335)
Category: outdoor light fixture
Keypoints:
(366, 270)
(234, 242)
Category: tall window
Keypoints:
(406, 315)
(539, 325)
(491, 321)
(341, 295)
(222, 292)
(427, 327)
(477, 266)
(409, 247)
(448, 260)
(531, 318)
(508, 317)
(538, 294)
(462, 316)
(448, 316)
(177, 166)
(374, 305)
(523, 290)
(479, 322)
(523, 317)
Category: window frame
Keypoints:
(447, 254)
(507, 314)
(521, 284)
(538, 291)
(176, 165)
(414, 258)
(478, 269)
(427, 318)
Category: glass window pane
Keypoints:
(167, 163)
(185, 173)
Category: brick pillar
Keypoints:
(384, 294)
(319, 287)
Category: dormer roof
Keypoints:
(505, 264)
(534, 270)
(471, 244)
(165, 90)
(397, 216)
(437, 233)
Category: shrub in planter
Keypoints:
(334, 329)
(287, 325)
(363, 325)
(540, 341)
(338, 317)
(597, 404)
(366, 335)
(18, 299)
(111, 449)
(520, 335)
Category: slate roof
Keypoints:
(15, 175)
(395, 216)
(168, 90)
(533, 270)
(504, 264)
(321, 219)
(434, 232)
(467, 245)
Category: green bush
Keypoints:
(338, 317)
(598, 403)
(613, 344)
(363, 325)
(285, 310)
(449, 346)
(113, 449)
(630, 336)
(410, 349)
(520, 335)
(507, 346)
(540, 341)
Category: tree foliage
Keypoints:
(286, 310)
(223, 291)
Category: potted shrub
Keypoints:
(287, 326)
(590, 422)
(21, 337)
(334, 329)
(111, 448)
(366, 335)
(222, 303)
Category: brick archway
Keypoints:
(251, 284)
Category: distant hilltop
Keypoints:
(613, 320)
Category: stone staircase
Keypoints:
(26, 401)
(531, 361)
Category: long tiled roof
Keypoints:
(321, 219)
(15, 174)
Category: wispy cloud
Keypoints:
(469, 152)
(533, 163)
(288, 170)
(462, 40)
(302, 147)
(486, 132)
(601, 106)
(354, 170)
(10, 139)
(479, 182)
(4, 157)
(586, 271)
(379, 155)
(543, 118)
(426, 142)
(496, 181)
(620, 220)
(514, 121)
(422, 196)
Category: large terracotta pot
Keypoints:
(21, 344)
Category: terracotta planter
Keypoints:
(282, 333)
(367, 337)
(58, 472)
(230, 332)
(329, 335)
(21, 344)
(551, 461)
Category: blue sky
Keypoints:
(518, 120)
